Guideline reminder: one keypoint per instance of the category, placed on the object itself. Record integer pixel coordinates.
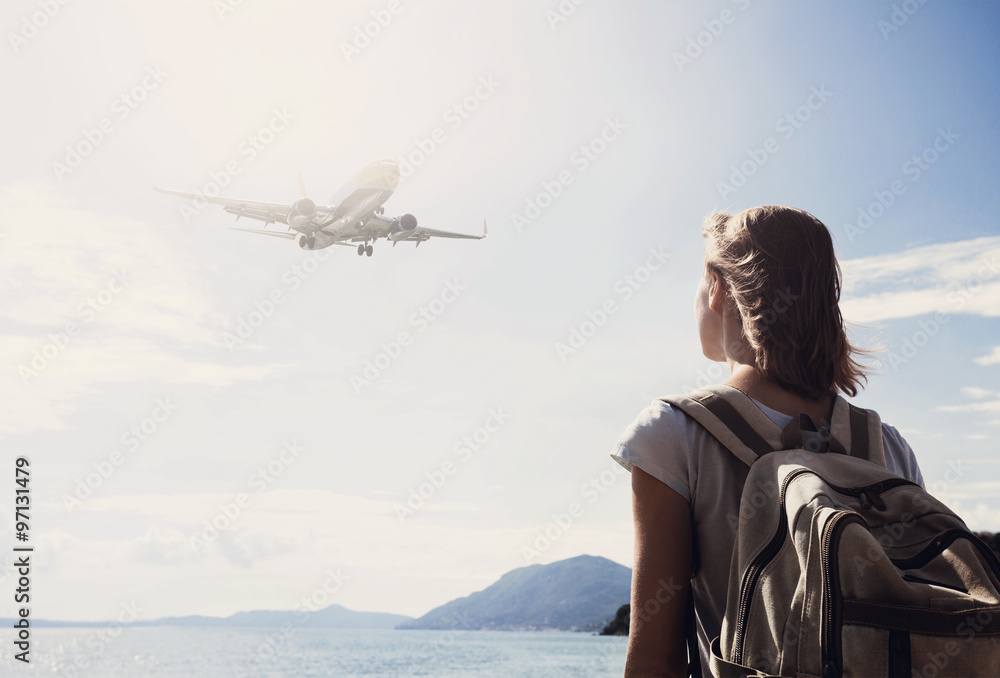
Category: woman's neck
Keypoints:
(749, 380)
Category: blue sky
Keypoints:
(816, 105)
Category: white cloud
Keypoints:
(956, 277)
(94, 300)
(991, 406)
(391, 566)
(244, 548)
(978, 393)
(162, 545)
(980, 516)
(992, 358)
(974, 490)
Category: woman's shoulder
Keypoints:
(658, 422)
(658, 442)
(899, 456)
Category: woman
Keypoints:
(767, 305)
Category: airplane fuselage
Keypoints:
(354, 206)
(352, 217)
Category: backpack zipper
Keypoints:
(868, 494)
(921, 580)
(753, 571)
(943, 541)
(871, 495)
(831, 538)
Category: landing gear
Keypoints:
(369, 250)
(364, 249)
(379, 210)
(311, 241)
(361, 250)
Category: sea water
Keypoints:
(195, 652)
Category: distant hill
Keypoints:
(577, 594)
(619, 625)
(332, 617)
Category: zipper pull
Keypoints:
(874, 495)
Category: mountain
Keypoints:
(332, 617)
(577, 594)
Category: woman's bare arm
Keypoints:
(662, 567)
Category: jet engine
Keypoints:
(303, 211)
(304, 206)
(402, 227)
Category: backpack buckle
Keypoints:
(792, 438)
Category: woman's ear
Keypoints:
(716, 292)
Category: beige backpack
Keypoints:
(840, 567)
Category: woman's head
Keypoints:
(782, 278)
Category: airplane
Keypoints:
(353, 216)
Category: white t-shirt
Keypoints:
(669, 445)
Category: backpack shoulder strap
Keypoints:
(866, 434)
(733, 419)
(743, 428)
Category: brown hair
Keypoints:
(783, 277)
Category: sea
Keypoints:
(196, 652)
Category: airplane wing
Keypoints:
(420, 233)
(267, 212)
(432, 233)
(276, 234)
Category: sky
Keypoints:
(217, 421)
